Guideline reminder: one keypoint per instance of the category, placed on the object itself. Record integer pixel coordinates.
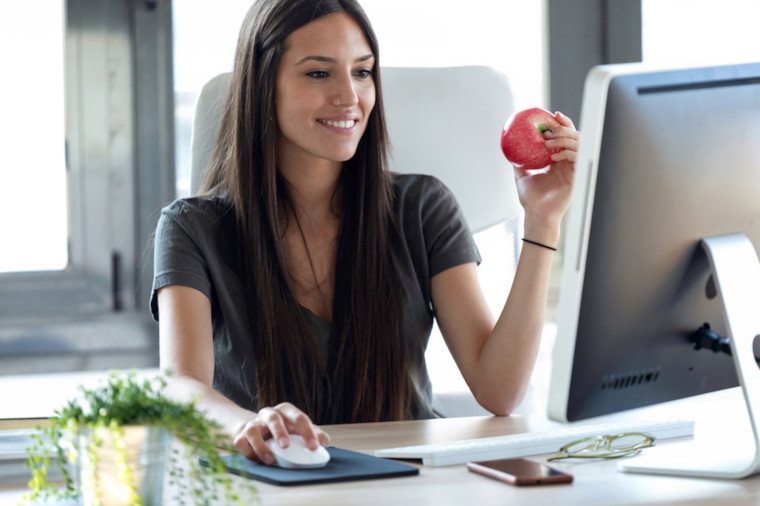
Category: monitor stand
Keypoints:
(736, 271)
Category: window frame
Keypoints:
(120, 172)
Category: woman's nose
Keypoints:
(345, 93)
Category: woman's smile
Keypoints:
(325, 93)
(340, 125)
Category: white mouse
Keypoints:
(298, 455)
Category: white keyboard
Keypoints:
(530, 443)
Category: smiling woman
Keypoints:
(305, 198)
(325, 94)
(301, 284)
(507, 35)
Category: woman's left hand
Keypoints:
(545, 195)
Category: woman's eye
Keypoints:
(364, 74)
(317, 74)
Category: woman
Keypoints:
(301, 286)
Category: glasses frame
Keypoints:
(595, 443)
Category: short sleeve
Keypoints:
(434, 228)
(448, 238)
(178, 259)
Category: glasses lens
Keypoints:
(628, 441)
(589, 445)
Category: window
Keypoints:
(700, 32)
(32, 136)
(507, 35)
(83, 141)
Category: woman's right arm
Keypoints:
(186, 349)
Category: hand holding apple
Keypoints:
(522, 140)
(528, 144)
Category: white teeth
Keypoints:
(340, 124)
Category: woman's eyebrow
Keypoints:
(328, 59)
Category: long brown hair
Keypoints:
(368, 376)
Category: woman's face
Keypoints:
(325, 91)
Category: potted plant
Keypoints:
(117, 439)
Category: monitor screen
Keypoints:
(666, 158)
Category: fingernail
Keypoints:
(269, 459)
(282, 442)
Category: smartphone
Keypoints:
(520, 472)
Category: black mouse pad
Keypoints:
(344, 465)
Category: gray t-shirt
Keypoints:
(192, 248)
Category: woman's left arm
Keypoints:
(496, 360)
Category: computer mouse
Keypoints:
(298, 455)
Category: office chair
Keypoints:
(441, 121)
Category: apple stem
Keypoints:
(543, 129)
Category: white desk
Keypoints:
(595, 482)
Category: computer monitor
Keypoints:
(666, 158)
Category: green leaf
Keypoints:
(123, 401)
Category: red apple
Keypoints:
(522, 140)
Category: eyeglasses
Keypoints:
(605, 447)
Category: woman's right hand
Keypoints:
(187, 349)
(276, 423)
